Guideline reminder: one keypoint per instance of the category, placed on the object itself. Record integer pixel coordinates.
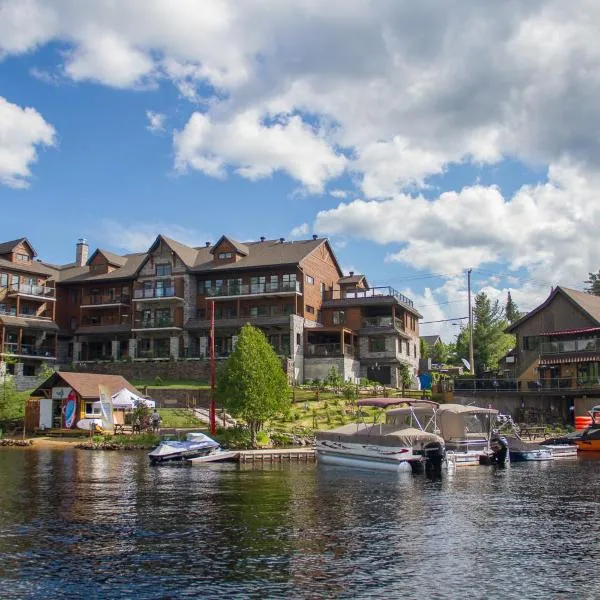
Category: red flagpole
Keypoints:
(213, 421)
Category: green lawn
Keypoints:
(184, 384)
(179, 417)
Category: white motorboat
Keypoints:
(400, 444)
(195, 445)
(218, 455)
(468, 433)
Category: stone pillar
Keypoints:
(132, 348)
(114, 349)
(76, 351)
(174, 346)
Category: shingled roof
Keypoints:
(132, 263)
(6, 247)
(263, 254)
(86, 384)
(34, 267)
(589, 304)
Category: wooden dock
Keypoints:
(277, 455)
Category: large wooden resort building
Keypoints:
(157, 305)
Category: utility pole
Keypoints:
(471, 358)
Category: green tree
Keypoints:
(439, 353)
(252, 384)
(511, 310)
(593, 282)
(334, 378)
(423, 348)
(11, 402)
(490, 343)
(405, 378)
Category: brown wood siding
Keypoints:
(321, 266)
(560, 314)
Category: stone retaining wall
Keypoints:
(148, 370)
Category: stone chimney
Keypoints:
(82, 252)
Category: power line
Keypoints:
(443, 320)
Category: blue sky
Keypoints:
(421, 139)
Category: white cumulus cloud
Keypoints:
(22, 132)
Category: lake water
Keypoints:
(77, 524)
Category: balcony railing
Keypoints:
(29, 350)
(322, 350)
(528, 385)
(97, 300)
(28, 289)
(383, 323)
(12, 312)
(105, 321)
(156, 323)
(359, 293)
(145, 294)
(568, 346)
(155, 353)
(252, 289)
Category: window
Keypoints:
(288, 282)
(91, 410)
(415, 350)
(257, 285)
(163, 269)
(298, 339)
(286, 309)
(73, 323)
(111, 293)
(224, 255)
(339, 317)
(72, 296)
(377, 344)
(273, 283)
(310, 309)
(3, 280)
(531, 342)
(125, 291)
(323, 288)
(310, 279)
(258, 311)
(98, 268)
(28, 370)
(200, 313)
(14, 282)
(22, 258)
(203, 286)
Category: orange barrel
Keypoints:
(582, 422)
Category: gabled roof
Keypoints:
(353, 279)
(6, 247)
(86, 384)
(115, 260)
(35, 267)
(129, 270)
(187, 254)
(264, 253)
(240, 248)
(431, 340)
(588, 304)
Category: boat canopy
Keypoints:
(385, 402)
(464, 422)
(382, 435)
(420, 407)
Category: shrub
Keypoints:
(158, 380)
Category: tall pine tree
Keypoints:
(511, 310)
(593, 282)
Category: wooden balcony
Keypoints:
(98, 301)
(255, 290)
(157, 323)
(33, 292)
(171, 292)
(375, 295)
(43, 352)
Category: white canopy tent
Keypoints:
(127, 400)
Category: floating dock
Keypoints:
(277, 455)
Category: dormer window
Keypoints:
(225, 255)
(23, 258)
(163, 270)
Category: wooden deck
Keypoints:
(277, 455)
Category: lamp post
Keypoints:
(212, 410)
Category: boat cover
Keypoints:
(461, 422)
(382, 435)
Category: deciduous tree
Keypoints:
(252, 384)
(593, 282)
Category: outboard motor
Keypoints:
(435, 453)
(499, 446)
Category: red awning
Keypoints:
(562, 360)
(570, 331)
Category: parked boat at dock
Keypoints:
(589, 440)
(402, 443)
(468, 433)
(196, 444)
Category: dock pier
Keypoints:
(276, 455)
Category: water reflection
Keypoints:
(108, 525)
